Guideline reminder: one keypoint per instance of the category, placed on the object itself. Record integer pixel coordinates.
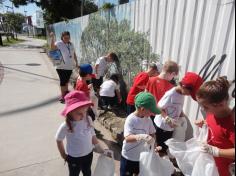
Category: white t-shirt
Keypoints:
(102, 66)
(136, 125)
(78, 143)
(108, 88)
(172, 102)
(67, 51)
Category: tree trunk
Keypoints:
(1, 43)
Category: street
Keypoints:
(30, 114)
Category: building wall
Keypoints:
(189, 32)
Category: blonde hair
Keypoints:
(215, 91)
(171, 67)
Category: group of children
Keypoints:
(154, 107)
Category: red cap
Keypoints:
(93, 76)
(193, 81)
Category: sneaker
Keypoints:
(62, 100)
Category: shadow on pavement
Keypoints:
(23, 109)
(30, 73)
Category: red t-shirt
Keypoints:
(221, 135)
(158, 87)
(82, 86)
(140, 80)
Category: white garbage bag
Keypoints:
(151, 164)
(180, 131)
(190, 159)
(105, 165)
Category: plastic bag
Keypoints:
(56, 57)
(105, 166)
(180, 131)
(190, 159)
(151, 164)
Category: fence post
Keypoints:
(1, 43)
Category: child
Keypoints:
(108, 91)
(79, 133)
(172, 103)
(213, 97)
(158, 85)
(139, 85)
(138, 129)
(85, 75)
(101, 68)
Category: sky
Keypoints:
(100, 2)
(30, 9)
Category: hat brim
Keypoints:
(93, 75)
(155, 110)
(72, 107)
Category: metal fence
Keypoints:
(187, 31)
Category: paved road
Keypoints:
(29, 113)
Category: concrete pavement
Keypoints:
(29, 114)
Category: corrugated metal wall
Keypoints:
(190, 32)
(187, 31)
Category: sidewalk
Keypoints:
(29, 114)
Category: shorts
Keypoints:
(161, 137)
(106, 101)
(64, 76)
(128, 168)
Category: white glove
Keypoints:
(98, 149)
(212, 150)
(146, 138)
(171, 122)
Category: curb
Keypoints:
(114, 124)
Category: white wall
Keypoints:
(189, 32)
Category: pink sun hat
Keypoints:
(75, 99)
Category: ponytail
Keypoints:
(69, 120)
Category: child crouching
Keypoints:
(109, 90)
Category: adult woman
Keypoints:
(68, 63)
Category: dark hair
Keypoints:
(153, 66)
(82, 74)
(65, 33)
(114, 57)
(115, 78)
(69, 120)
(214, 91)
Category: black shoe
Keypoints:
(62, 100)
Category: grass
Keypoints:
(12, 41)
(41, 37)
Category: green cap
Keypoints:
(147, 101)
